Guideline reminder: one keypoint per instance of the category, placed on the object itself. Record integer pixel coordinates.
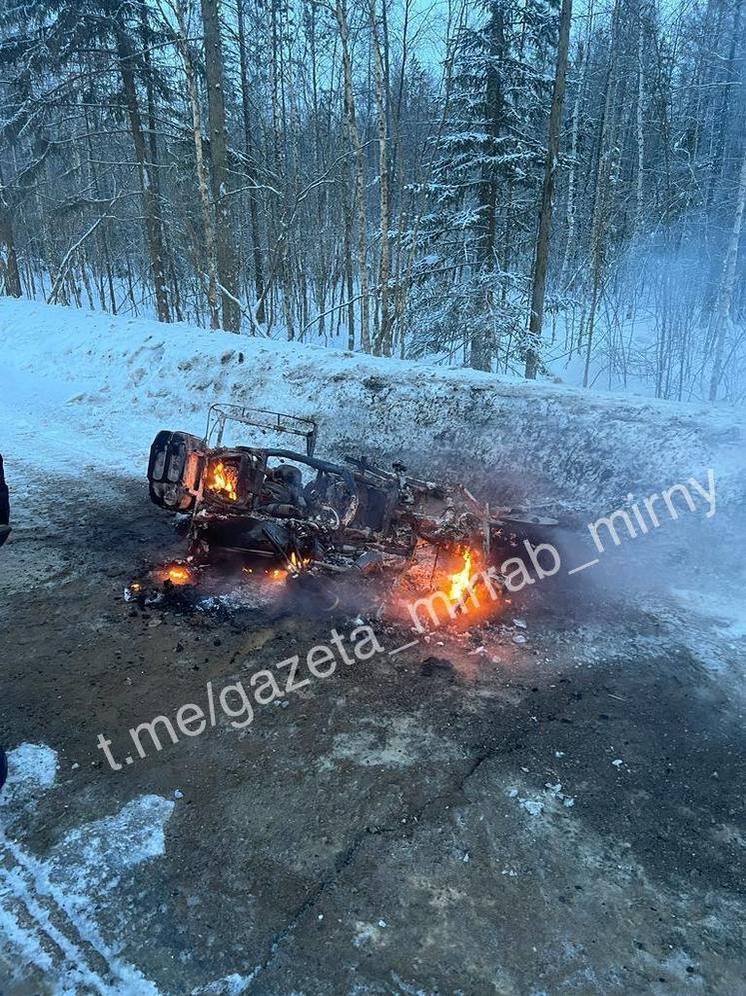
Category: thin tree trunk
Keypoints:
(146, 37)
(480, 349)
(204, 197)
(227, 264)
(640, 124)
(383, 339)
(103, 237)
(152, 229)
(348, 272)
(572, 182)
(249, 152)
(340, 11)
(723, 110)
(545, 211)
(721, 314)
(600, 194)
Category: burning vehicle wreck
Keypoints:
(312, 516)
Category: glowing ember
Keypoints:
(222, 480)
(178, 574)
(460, 582)
(296, 563)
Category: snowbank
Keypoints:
(563, 446)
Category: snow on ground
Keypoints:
(52, 909)
(31, 769)
(727, 611)
(48, 914)
(98, 387)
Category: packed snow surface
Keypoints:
(103, 386)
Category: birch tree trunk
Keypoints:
(227, 263)
(383, 339)
(721, 314)
(538, 289)
(340, 11)
(125, 58)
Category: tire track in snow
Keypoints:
(49, 924)
(40, 928)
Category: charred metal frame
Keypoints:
(350, 513)
(259, 418)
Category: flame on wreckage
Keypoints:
(285, 514)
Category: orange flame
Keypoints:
(178, 574)
(298, 563)
(223, 481)
(295, 565)
(460, 582)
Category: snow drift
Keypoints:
(117, 380)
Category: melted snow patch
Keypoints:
(92, 858)
(49, 907)
(391, 744)
(32, 768)
(52, 908)
(230, 985)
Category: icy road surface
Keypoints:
(544, 806)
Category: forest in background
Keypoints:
(520, 186)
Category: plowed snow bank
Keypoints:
(116, 380)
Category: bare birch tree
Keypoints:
(536, 316)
